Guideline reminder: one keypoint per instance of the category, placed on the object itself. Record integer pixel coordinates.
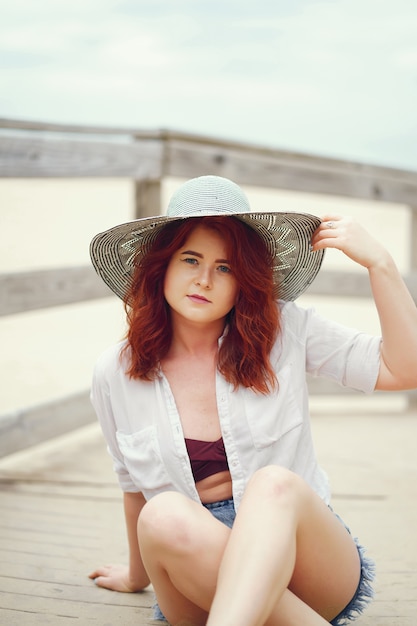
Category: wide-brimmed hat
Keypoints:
(116, 252)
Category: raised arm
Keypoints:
(122, 577)
(396, 309)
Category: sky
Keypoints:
(335, 78)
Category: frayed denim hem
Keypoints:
(364, 593)
(158, 616)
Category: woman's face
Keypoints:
(199, 283)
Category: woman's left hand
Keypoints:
(114, 577)
(345, 234)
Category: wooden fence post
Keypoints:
(148, 199)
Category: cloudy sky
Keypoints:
(336, 77)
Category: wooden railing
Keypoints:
(38, 150)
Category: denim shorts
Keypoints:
(225, 512)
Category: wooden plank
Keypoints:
(171, 137)
(28, 157)
(161, 152)
(52, 591)
(29, 426)
(21, 493)
(50, 541)
(280, 170)
(340, 284)
(63, 600)
(351, 284)
(40, 289)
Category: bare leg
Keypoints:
(181, 546)
(288, 560)
(291, 541)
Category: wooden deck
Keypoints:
(61, 516)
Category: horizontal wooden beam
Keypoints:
(33, 425)
(351, 285)
(28, 291)
(284, 170)
(35, 149)
(341, 284)
(34, 157)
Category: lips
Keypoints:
(195, 297)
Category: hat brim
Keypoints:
(115, 252)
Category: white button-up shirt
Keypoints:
(142, 427)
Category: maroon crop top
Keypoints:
(206, 457)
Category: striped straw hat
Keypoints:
(116, 252)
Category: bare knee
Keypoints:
(166, 521)
(277, 482)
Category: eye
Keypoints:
(190, 260)
(225, 269)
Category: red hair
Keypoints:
(253, 323)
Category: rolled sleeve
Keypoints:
(347, 356)
(363, 363)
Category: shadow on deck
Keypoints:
(61, 516)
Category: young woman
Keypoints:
(205, 412)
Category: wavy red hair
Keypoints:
(253, 324)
